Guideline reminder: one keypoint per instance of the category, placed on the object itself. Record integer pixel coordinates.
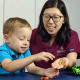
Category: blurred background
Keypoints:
(30, 10)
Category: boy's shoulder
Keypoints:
(3, 47)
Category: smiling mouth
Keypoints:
(24, 48)
(51, 27)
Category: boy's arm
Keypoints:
(12, 66)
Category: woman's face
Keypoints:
(53, 20)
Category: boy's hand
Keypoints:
(60, 63)
(46, 56)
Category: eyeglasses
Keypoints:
(54, 18)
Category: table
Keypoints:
(64, 75)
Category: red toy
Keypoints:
(44, 78)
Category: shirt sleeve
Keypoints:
(73, 45)
(27, 53)
(4, 55)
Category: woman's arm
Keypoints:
(64, 62)
(72, 57)
(50, 72)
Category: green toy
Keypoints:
(76, 70)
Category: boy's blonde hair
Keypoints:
(12, 23)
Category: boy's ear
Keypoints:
(6, 37)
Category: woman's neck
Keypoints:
(51, 41)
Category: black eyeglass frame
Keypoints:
(53, 18)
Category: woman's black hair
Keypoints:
(64, 33)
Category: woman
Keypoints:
(54, 35)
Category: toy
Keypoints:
(76, 70)
(44, 78)
(60, 61)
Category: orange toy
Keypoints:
(44, 78)
(60, 61)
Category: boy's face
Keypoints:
(18, 41)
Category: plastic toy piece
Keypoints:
(60, 61)
(44, 78)
(76, 70)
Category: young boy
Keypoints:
(15, 53)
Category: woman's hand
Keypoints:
(46, 56)
(51, 72)
(60, 63)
